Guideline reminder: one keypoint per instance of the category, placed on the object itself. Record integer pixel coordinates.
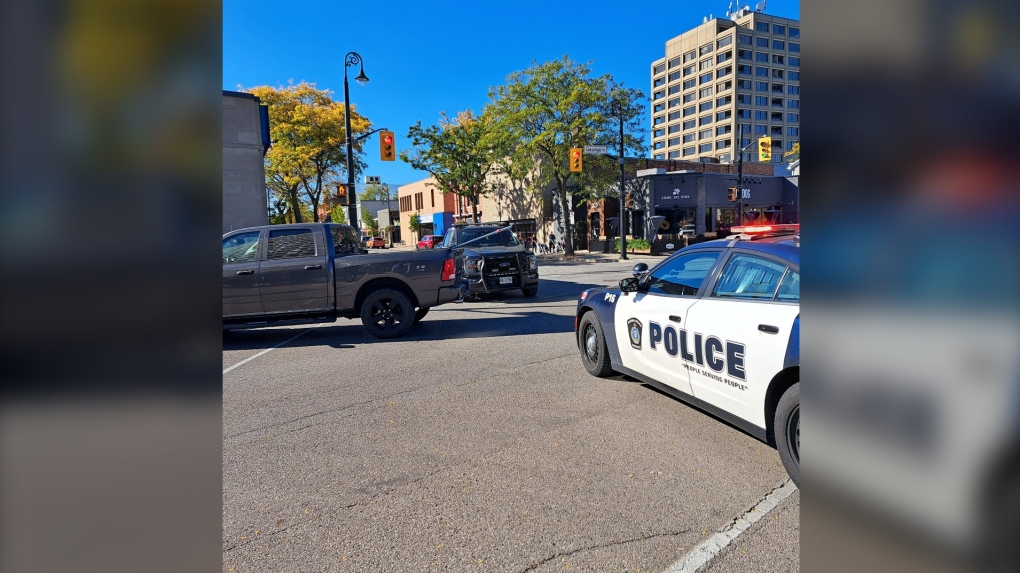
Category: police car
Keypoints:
(717, 324)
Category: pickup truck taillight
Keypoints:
(449, 270)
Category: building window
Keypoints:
(705, 106)
(658, 95)
(705, 134)
(725, 100)
(761, 115)
(724, 72)
(761, 42)
(777, 143)
(704, 148)
(658, 107)
(744, 39)
(658, 156)
(674, 76)
(689, 111)
(675, 128)
(689, 70)
(795, 76)
(706, 49)
(778, 74)
(659, 81)
(793, 104)
(793, 90)
(778, 45)
(704, 120)
(778, 59)
(658, 69)
(725, 57)
(761, 72)
(723, 42)
(761, 57)
(761, 86)
(760, 129)
(658, 133)
(777, 116)
(705, 92)
(690, 83)
(745, 128)
(673, 115)
(689, 138)
(689, 97)
(744, 99)
(778, 30)
(777, 130)
(657, 145)
(723, 130)
(744, 84)
(722, 144)
(744, 55)
(673, 141)
(688, 151)
(744, 114)
(795, 47)
(673, 63)
(761, 26)
(674, 89)
(795, 60)
(672, 155)
(793, 131)
(705, 78)
(723, 86)
(723, 115)
(777, 88)
(690, 123)
(793, 117)
(777, 102)
(744, 70)
(761, 100)
(790, 144)
(705, 64)
(658, 120)
(673, 102)
(689, 56)
(794, 32)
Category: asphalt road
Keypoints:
(480, 443)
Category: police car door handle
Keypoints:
(674, 318)
(768, 328)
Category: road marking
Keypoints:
(704, 553)
(250, 358)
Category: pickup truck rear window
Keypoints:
(291, 244)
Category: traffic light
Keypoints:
(341, 194)
(765, 149)
(575, 158)
(386, 145)
(732, 193)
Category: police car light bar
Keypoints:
(761, 229)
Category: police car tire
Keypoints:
(395, 302)
(787, 430)
(600, 366)
(530, 291)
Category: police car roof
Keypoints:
(781, 247)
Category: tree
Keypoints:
(308, 133)
(376, 192)
(549, 108)
(459, 153)
(369, 221)
(338, 214)
(414, 225)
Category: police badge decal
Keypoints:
(634, 328)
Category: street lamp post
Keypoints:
(351, 59)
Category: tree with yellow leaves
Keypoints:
(307, 130)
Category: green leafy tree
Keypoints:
(376, 192)
(414, 225)
(307, 129)
(338, 214)
(369, 222)
(548, 108)
(459, 153)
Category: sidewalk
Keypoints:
(578, 256)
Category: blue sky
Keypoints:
(424, 58)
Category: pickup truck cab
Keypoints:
(318, 272)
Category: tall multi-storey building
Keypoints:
(725, 84)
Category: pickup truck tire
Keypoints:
(530, 292)
(420, 313)
(387, 313)
(787, 429)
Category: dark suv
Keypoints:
(490, 259)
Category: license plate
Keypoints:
(506, 280)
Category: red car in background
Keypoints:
(429, 241)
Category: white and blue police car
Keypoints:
(717, 325)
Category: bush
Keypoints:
(635, 245)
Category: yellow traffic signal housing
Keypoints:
(386, 142)
(732, 193)
(765, 149)
(575, 158)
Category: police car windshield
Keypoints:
(504, 238)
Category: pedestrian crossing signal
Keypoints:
(765, 149)
(341, 194)
(732, 193)
(575, 158)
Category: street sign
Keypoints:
(595, 150)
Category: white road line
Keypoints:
(250, 358)
(704, 553)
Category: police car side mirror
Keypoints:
(629, 285)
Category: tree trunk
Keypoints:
(474, 209)
(295, 203)
(568, 232)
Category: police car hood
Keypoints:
(495, 250)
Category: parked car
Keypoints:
(491, 259)
(376, 243)
(317, 272)
(717, 325)
(429, 241)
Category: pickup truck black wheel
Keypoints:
(594, 352)
(787, 429)
(420, 313)
(387, 313)
(530, 291)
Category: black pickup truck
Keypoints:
(317, 272)
(490, 259)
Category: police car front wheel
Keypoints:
(594, 352)
(787, 429)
